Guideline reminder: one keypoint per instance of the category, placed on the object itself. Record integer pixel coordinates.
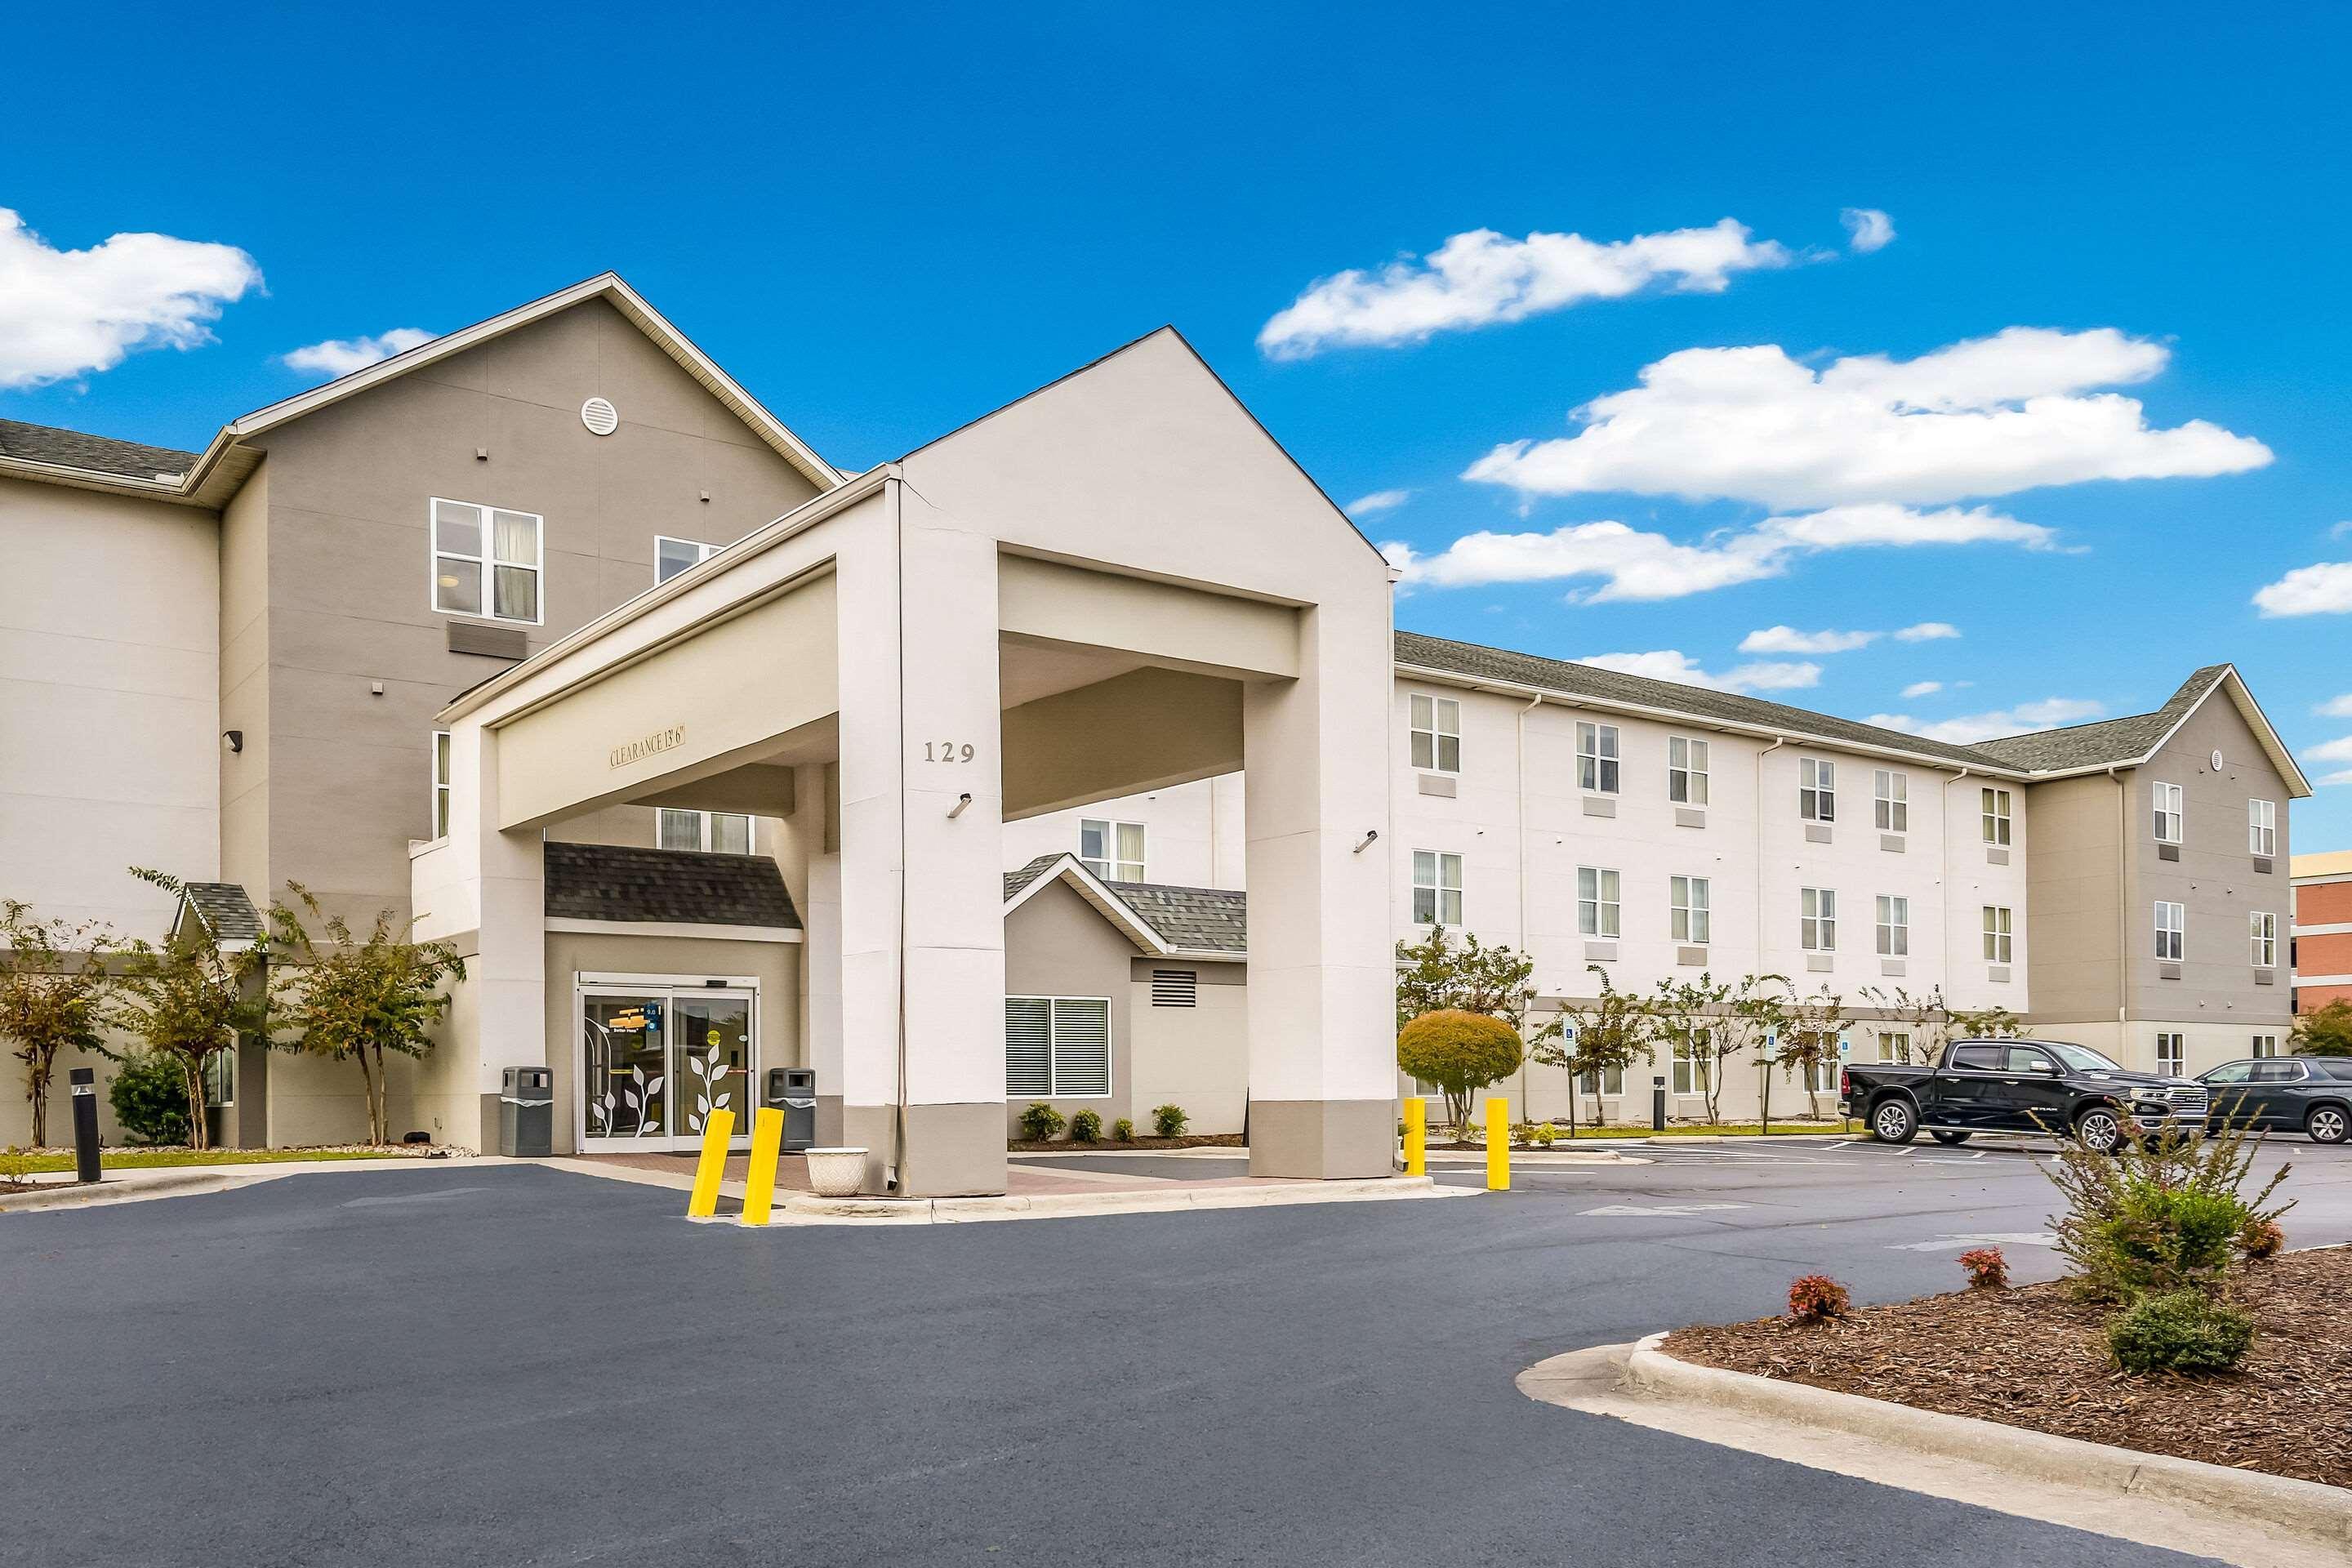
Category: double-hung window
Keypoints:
(1436, 733)
(1817, 920)
(1999, 933)
(2171, 1053)
(1685, 770)
(1597, 758)
(487, 562)
(2261, 827)
(2167, 814)
(712, 832)
(1694, 1059)
(1893, 927)
(1993, 809)
(1816, 789)
(1686, 900)
(1057, 1047)
(1112, 851)
(1892, 799)
(1894, 1045)
(441, 778)
(672, 556)
(1437, 887)
(2171, 930)
(2263, 930)
(1596, 901)
(2265, 1045)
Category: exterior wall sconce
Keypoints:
(233, 739)
(957, 809)
(1366, 842)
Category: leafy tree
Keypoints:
(1722, 1022)
(1990, 1023)
(359, 999)
(1461, 1052)
(149, 1098)
(1598, 1036)
(53, 985)
(1807, 1041)
(1933, 1023)
(190, 999)
(1469, 976)
(2323, 1032)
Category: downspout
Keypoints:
(893, 1174)
(1944, 879)
(1526, 946)
(2123, 906)
(1765, 1070)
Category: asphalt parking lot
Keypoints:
(522, 1366)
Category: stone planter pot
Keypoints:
(837, 1173)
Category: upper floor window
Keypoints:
(1597, 757)
(672, 556)
(2263, 930)
(1893, 801)
(714, 832)
(1596, 901)
(1685, 770)
(2167, 814)
(1816, 789)
(1993, 809)
(2171, 930)
(1687, 899)
(1894, 926)
(1817, 921)
(441, 778)
(1112, 851)
(1436, 733)
(2261, 827)
(1437, 887)
(1998, 934)
(486, 561)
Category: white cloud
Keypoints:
(2048, 713)
(1478, 278)
(1639, 565)
(1923, 688)
(340, 356)
(65, 312)
(1984, 417)
(1379, 500)
(1927, 631)
(2335, 706)
(1671, 664)
(1788, 640)
(1867, 229)
(2340, 776)
(2339, 750)
(2325, 589)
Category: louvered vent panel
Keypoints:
(1175, 988)
(601, 417)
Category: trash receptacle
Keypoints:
(792, 1090)
(527, 1113)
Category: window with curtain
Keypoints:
(486, 561)
(1597, 759)
(1817, 920)
(1894, 926)
(1686, 903)
(1112, 851)
(1993, 809)
(1893, 801)
(1436, 733)
(1817, 789)
(1999, 933)
(1596, 900)
(441, 784)
(714, 832)
(1685, 770)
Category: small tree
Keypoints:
(1685, 1012)
(1982, 1023)
(2325, 1031)
(1600, 1036)
(53, 985)
(1469, 976)
(358, 1000)
(190, 999)
(1461, 1052)
(1807, 1040)
(1923, 1016)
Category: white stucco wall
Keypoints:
(1192, 833)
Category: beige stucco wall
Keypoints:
(1058, 944)
(2074, 970)
(1196, 1056)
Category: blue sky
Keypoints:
(885, 221)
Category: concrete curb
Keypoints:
(2304, 1508)
(806, 1208)
(177, 1182)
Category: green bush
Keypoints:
(1086, 1127)
(1040, 1123)
(2159, 1214)
(1460, 1053)
(2164, 1239)
(1168, 1120)
(1543, 1135)
(150, 1095)
(2183, 1330)
(1122, 1130)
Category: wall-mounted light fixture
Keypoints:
(233, 739)
(1366, 841)
(957, 809)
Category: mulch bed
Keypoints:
(2036, 1357)
(1134, 1145)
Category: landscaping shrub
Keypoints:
(2181, 1331)
(1086, 1127)
(150, 1095)
(1122, 1130)
(16, 1167)
(1988, 1269)
(1817, 1299)
(1040, 1123)
(2262, 1240)
(1168, 1120)
(2158, 1215)
(1460, 1053)
(1543, 1135)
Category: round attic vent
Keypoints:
(601, 417)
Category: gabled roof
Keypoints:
(2109, 742)
(615, 882)
(49, 446)
(210, 477)
(1161, 920)
(225, 911)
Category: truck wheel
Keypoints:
(1894, 1121)
(2329, 1124)
(1949, 1139)
(2098, 1130)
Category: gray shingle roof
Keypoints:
(95, 454)
(225, 909)
(1197, 919)
(610, 882)
(2105, 743)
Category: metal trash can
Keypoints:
(792, 1090)
(527, 1113)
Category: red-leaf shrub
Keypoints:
(2261, 1239)
(1817, 1298)
(1988, 1269)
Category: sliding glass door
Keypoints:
(657, 1060)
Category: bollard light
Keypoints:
(1658, 1104)
(85, 1120)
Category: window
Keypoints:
(1175, 987)
(2261, 827)
(2171, 930)
(672, 556)
(1893, 927)
(1112, 851)
(1998, 945)
(441, 770)
(1978, 1058)
(2170, 1054)
(1685, 770)
(220, 1078)
(1816, 789)
(471, 542)
(714, 832)
(2265, 1045)
(1057, 1047)
(1817, 926)
(1694, 1062)
(1608, 1085)
(2167, 814)
(1436, 733)
(2264, 930)
(1597, 757)
(1893, 801)
(1687, 897)
(1437, 887)
(1893, 1045)
(1596, 901)
(1993, 805)
(1820, 1075)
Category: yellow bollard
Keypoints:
(713, 1165)
(1499, 1144)
(1416, 1136)
(760, 1184)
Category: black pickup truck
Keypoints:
(2016, 1086)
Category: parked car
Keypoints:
(2016, 1086)
(2311, 1095)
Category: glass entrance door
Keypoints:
(656, 1061)
(710, 1060)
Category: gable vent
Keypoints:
(601, 417)
(1175, 988)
